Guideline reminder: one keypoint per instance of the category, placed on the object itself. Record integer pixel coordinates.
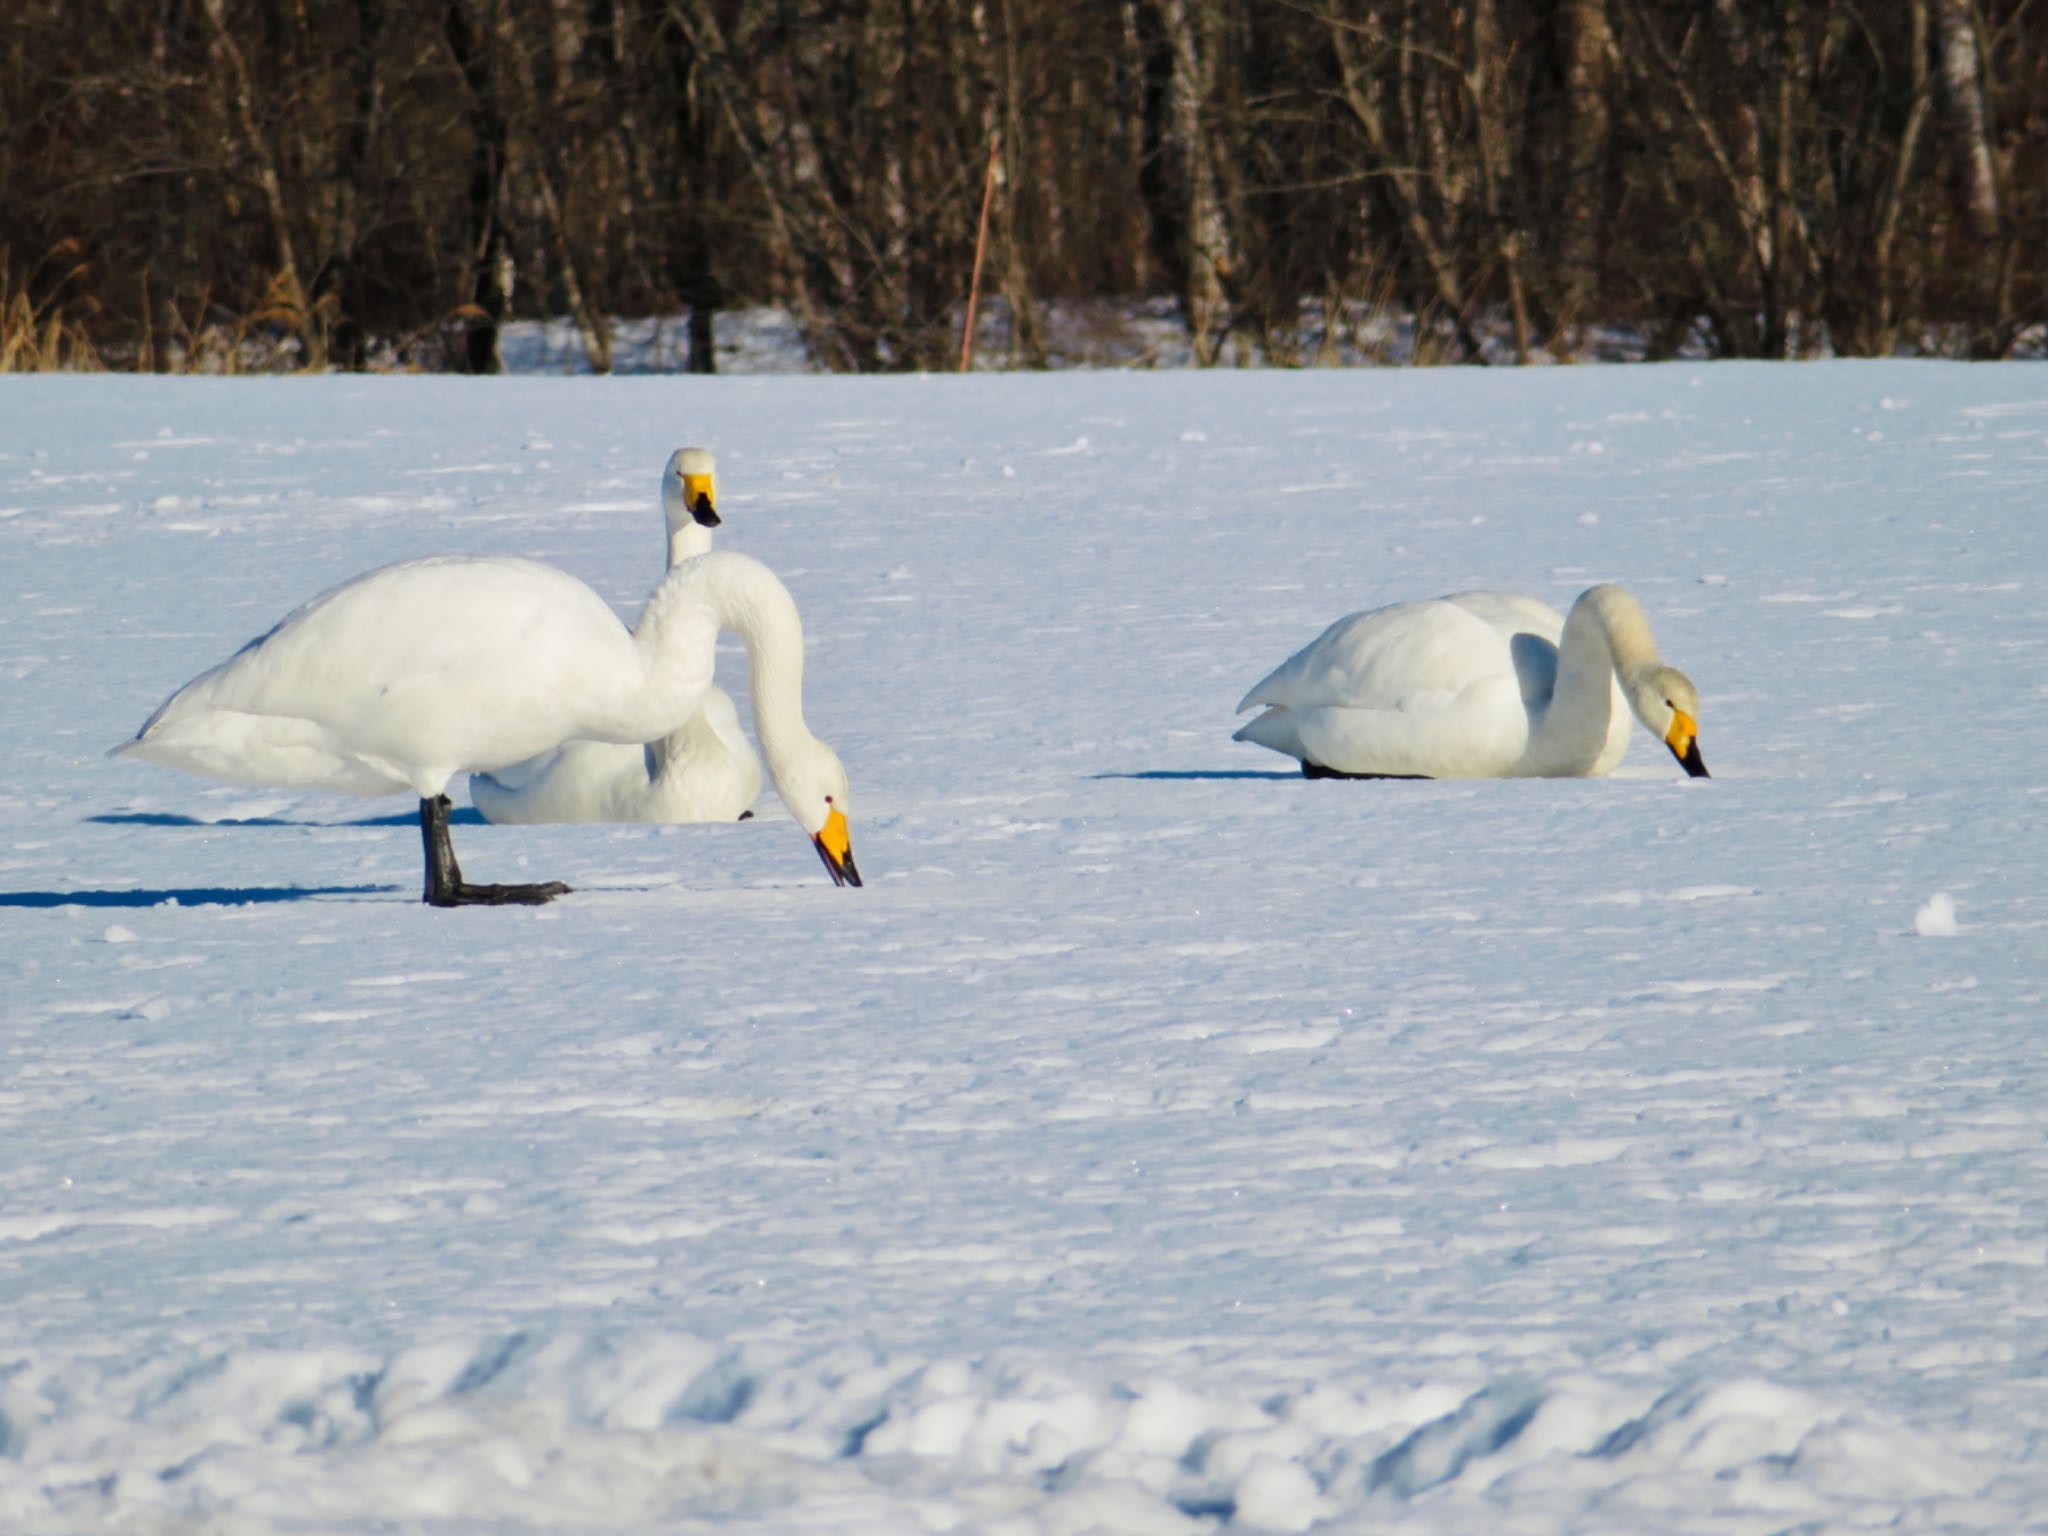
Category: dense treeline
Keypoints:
(371, 178)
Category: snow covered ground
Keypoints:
(1160, 1142)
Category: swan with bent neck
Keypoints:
(706, 770)
(396, 681)
(1480, 685)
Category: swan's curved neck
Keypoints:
(1605, 637)
(1624, 626)
(742, 595)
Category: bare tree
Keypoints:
(242, 179)
(1588, 55)
(474, 39)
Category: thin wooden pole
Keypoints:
(988, 192)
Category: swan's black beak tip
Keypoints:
(703, 513)
(1691, 761)
(839, 866)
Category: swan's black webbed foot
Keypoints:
(445, 885)
(467, 895)
(1311, 770)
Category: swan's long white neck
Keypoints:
(1605, 636)
(727, 591)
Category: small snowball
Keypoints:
(116, 934)
(1936, 918)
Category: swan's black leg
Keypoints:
(1311, 770)
(445, 885)
(444, 875)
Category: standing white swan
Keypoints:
(1481, 685)
(705, 771)
(400, 679)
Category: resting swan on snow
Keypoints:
(400, 679)
(706, 771)
(1480, 685)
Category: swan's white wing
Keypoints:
(1530, 629)
(1511, 612)
(399, 678)
(1425, 688)
(1408, 656)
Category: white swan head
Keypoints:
(689, 500)
(812, 783)
(1665, 700)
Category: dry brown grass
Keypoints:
(41, 338)
(283, 334)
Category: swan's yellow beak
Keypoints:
(835, 847)
(701, 499)
(1683, 740)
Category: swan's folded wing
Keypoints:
(1408, 656)
(1477, 733)
(242, 747)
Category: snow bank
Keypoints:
(534, 1434)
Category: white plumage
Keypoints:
(1477, 685)
(401, 678)
(705, 771)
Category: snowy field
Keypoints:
(1160, 1142)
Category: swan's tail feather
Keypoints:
(1275, 730)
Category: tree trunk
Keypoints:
(1489, 113)
(1027, 346)
(746, 113)
(1884, 338)
(1968, 121)
(1589, 46)
(241, 102)
(491, 271)
(541, 78)
(1356, 93)
(338, 273)
(1191, 33)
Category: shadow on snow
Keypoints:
(1203, 773)
(197, 896)
(463, 816)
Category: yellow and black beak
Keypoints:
(1684, 741)
(701, 499)
(835, 847)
